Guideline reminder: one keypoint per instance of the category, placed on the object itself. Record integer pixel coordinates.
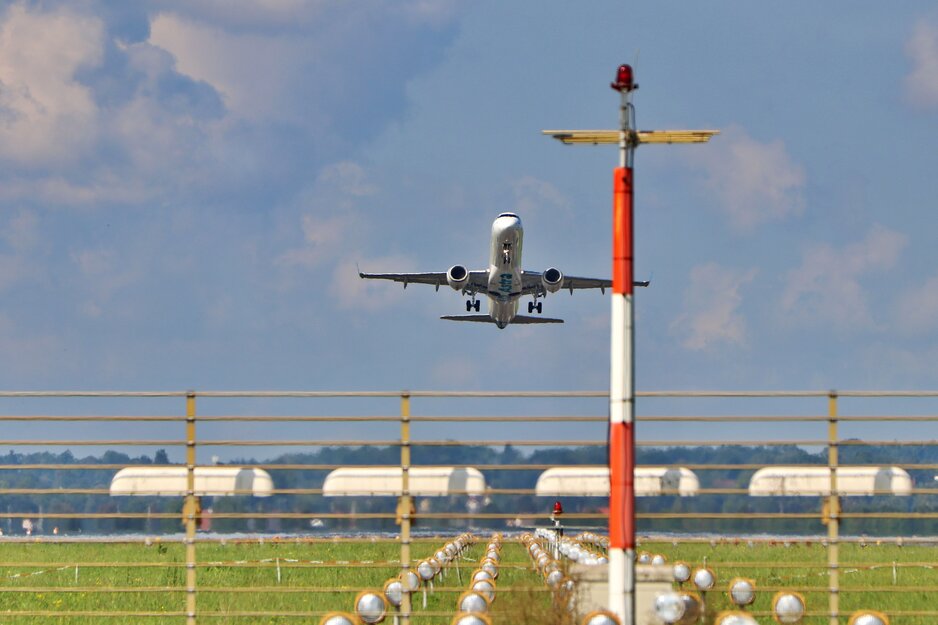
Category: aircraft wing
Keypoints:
(531, 283)
(477, 283)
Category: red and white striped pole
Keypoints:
(622, 372)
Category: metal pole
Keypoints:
(190, 508)
(622, 386)
(833, 510)
(404, 506)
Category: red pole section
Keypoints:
(622, 279)
(622, 406)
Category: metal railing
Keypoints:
(128, 561)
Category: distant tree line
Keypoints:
(17, 507)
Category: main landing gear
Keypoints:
(538, 306)
(472, 304)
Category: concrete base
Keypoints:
(592, 583)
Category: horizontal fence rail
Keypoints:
(294, 546)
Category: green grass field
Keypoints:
(39, 583)
(900, 581)
(266, 580)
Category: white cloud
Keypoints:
(104, 274)
(323, 238)
(260, 15)
(13, 269)
(331, 225)
(755, 182)
(456, 372)
(253, 72)
(31, 355)
(826, 287)
(46, 115)
(347, 177)
(352, 292)
(86, 119)
(917, 310)
(101, 187)
(711, 305)
(249, 12)
(536, 196)
(198, 101)
(921, 84)
(21, 232)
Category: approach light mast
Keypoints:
(622, 362)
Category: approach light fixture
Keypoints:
(868, 617)
(471, 618)
(704, 579)
(394, 592)
(680, 571)
(693, 608)
(554, 579)
(425, 570)
(735, 618)
(411, 581)
(742, 591)
(788, 607)
(485, 587)
(338, 618)
(371, 606)
(601, 617)
(471, 601)
(669, 607)
(658, 559)
(481, 574)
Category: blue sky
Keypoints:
(186, 188)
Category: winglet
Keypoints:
(359, 270)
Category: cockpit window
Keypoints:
(508, 215)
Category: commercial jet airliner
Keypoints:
(504, 282)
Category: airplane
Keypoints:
(504, 282)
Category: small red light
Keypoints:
(624, 80)
(558, 509)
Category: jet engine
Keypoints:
(457, 277)
(552, 280)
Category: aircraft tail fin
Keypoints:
(522, 319)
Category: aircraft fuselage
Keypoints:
(504, 288)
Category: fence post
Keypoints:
(190, 508)
(404, 506)
(833, 513)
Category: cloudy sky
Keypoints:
(186, 188)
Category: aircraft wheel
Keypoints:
(530, 307)
(468, 305)
(540, 307)
(476, 305)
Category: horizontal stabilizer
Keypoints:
(487, 319)
(524, 319)
(478, 318)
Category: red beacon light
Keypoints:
(624, 79)
(558, 508)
